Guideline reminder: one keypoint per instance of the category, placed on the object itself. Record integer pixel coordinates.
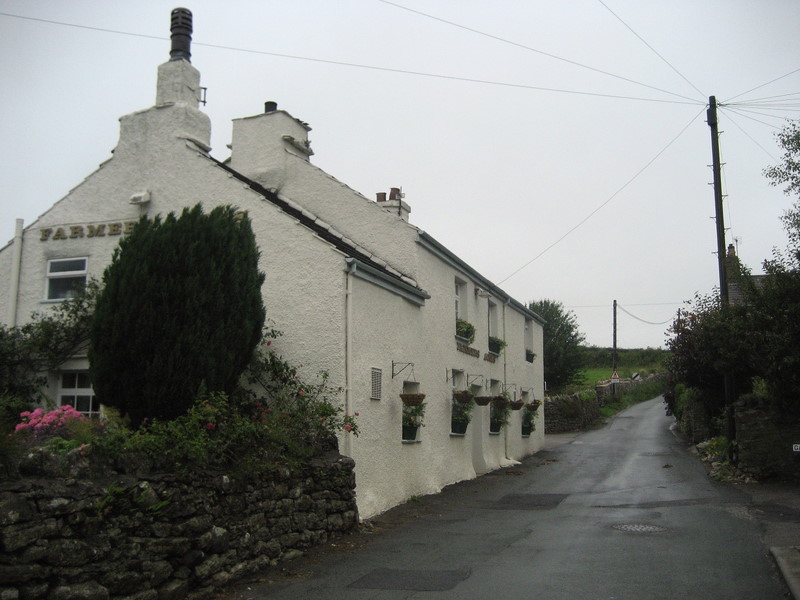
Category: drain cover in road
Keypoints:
(410, 579)
(639, 528)
(528, 501)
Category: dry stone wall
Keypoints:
(163, 537)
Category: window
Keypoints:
(377, 384)
(492, 319)
(76, 390)
(65, 276)
(529, 354)
(459, 296)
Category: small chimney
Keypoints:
(270, 106)
(395, 204)
(181, 34)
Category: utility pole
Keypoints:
(717, 170)
(721, 262)
(614, 353)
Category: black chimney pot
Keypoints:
(181, 30)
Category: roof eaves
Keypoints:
(323, 229)
(437, 248)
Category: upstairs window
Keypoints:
(460, 294)
(492, 319)
(529, 354)
(65, 276)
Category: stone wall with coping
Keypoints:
(163, 537)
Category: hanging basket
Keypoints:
(533, 406)
(412, 399)
(516, 404)
(482, 400)
(464, 396)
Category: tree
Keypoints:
(45, 342)
(563, 358)
(788, 171)
(756, 337)
(180, 311)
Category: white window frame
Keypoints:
(75, 275)
(491, 318)
(460, 296)
(77, 395)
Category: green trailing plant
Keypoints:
(413, 416)
(496, 344)
(529, 420)
(465, 329)
(180, 306)
(462, 411)
(499, 415)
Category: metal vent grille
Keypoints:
(377, 384)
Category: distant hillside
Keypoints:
(595, 357)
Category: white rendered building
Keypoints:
(355, 288)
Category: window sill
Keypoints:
(411, 441)
(457, 435)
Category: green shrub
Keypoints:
(180, 306)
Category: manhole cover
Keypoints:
(639, 528)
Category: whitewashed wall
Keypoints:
(330, 320)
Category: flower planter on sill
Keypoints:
(482, 400)
(412, 399)
(464, 396)
(459, 427)
(410, 433)
(516, 404)
(496, 345)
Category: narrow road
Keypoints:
(624, 512)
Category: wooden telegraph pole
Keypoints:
(721, 262)
(717, 170)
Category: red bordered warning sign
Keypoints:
(615, 377)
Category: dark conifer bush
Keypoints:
(180, 310)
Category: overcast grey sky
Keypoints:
(506, 123)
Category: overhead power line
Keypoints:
(630, 314)
(530, 49)
(758, 87)
(609, 199)
(357, 65)
(651, 48)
